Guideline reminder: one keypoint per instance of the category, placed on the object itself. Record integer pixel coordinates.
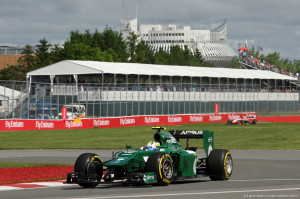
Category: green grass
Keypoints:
(272, 136)
(26, 164)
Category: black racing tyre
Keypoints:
(219, 164)
(254, 121)
(162, 164)
(89, 163)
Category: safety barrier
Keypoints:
(87, 123)
(288, 119)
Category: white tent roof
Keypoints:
(8, 93)
(69, 67)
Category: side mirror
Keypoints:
(128, 147)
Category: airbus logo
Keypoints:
(192, 132)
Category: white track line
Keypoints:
(264, 180)
(195, 193)
(9, 188)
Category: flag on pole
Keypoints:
(246, 43)
(259, 48)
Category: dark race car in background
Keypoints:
(243, 120)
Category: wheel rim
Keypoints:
(95, 168)
(167, 169)
(228, 165)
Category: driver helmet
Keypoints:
(152, 146)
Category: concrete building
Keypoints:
(212, 44)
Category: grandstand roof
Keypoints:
(70, 67)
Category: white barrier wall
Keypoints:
(185, 96)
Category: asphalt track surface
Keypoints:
(256, 174)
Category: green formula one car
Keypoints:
(162, 162)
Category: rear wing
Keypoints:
(187, 134)
(206, 135)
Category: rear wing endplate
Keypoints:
(206, 135)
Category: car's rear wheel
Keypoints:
(229, 122)
(89, 163)
(162, 165)
(254, 121)
(219, 164)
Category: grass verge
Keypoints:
(262, 136)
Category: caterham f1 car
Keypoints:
(162, 165)
(243, 120)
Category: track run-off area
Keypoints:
(256, 174)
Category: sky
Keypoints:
(274, 25)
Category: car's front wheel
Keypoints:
(162, 165)
(89, 163)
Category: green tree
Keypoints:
(27, 61)
(121, 48)
(42, 53)
(75, 37)
(132, 45)
(56, 54)
(198, 57)
(161, 57)
(296, 64)
(144, 53)
(109, 39)
(235, 63)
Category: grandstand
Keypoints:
(109, 89)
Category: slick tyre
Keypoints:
(219, 164)
(254, 121)
(89, 163)
(162, 165)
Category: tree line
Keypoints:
(108, 46)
